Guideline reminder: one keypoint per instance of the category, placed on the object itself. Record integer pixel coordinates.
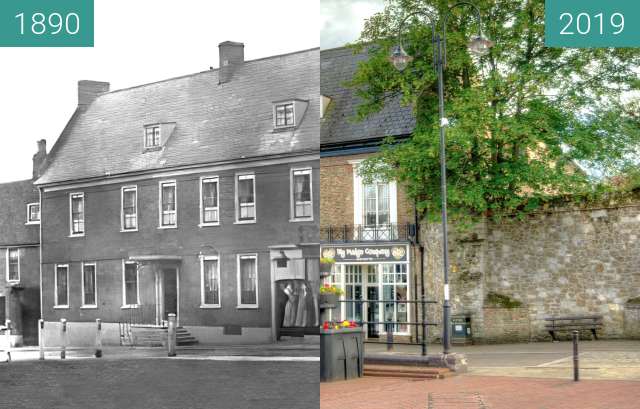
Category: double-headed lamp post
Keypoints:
(479, 45)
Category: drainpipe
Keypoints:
(40, 250)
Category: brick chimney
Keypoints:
(231, 57)
(88, 91)
(39, 159)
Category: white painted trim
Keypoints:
(160, 214)
(95, 285)
(144, 136)
(284, 103)
(239, 284)
(201, 207)
(124, 285)
(29, 213)
(122, 190)
(182, 171)
(202, 303)
(8, 251)
(255, 199)
(84, 214)
(308, 171)
(358, 198)
(55, 287)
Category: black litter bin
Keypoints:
(461, 330)
(341, 354)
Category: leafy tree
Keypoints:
(528, 123)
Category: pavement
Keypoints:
(273, 376)
(515, 376)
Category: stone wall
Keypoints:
(561, 262)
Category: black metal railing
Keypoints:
(360, 232)
(372, 327)
(140, 315)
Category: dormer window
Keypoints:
(152, 136)
(284, 115)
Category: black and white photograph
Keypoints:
(160, 211)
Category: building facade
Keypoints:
(367, 228)
(196, 196)
(20, 255)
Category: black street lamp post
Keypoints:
(479, 45)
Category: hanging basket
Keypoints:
(326, 268)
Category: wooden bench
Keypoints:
(571, 323)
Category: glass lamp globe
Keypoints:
(399, 58)
(480, 45)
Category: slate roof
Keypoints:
(14, 198)
(338, 125)
(214, 123)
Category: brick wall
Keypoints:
(336, 192)
(106, 245)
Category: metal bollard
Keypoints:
(576, 368)
(389, 337)
(41, 338)
(8, 340)
(98, 338)
(171, 335)
(63, 350)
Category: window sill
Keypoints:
(284, 128)
(130, 307)
(128, 230)
(60, 307)
(89, 307)
(13, 282)
(211, 224)
(71, 236)
(31, 223)
(245, 221)
(306, 219)
(210, 307)
(247, 307)
(167, 227)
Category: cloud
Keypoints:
(341, 21)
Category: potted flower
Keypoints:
(329, 295)
(326, 264)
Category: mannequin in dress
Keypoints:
(289, 309)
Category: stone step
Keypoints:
(399, 371)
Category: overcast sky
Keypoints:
(342, 20)
(136, 42)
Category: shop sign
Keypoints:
(388, 253)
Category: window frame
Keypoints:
(202, 295)
(123, 228)
(124, 285)
(29, 221)
(144, 136)
(275, 114)
(9, 249)
(84, 214)
(292, 204)
(56, 305)
(240, 305)
(95, 286)
(173, 183)
(202, 208)
(252, 176)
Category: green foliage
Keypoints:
(501, 301)
(634, 301)
(526, 120)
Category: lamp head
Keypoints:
(399, 58)
(480, 45)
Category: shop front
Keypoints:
(374, 279)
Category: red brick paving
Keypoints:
(494, 392)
